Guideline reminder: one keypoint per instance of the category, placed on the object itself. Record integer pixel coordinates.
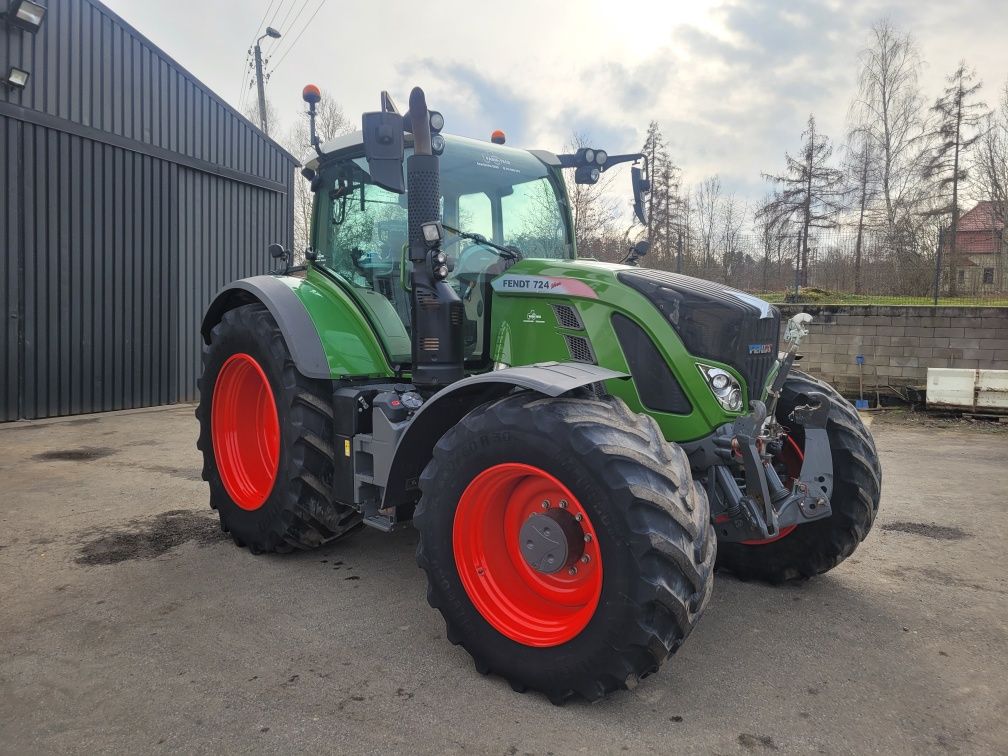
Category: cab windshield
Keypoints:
(507, 196)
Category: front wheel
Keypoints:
(810, 549)
(565, 543)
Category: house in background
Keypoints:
(981, 251)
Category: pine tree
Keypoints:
(809, 193)
(959, 117)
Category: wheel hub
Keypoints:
(551, 541)
(523, 590)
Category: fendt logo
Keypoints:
(760, 348)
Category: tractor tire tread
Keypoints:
(819, 546)
(307, 517)
(666, 518)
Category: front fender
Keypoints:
(447, 408)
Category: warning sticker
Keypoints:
(511, 283)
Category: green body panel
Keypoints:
(525, 331)
(348, 339)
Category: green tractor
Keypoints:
(579, 443)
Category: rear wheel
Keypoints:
(810, 549)
(265, 433)
(565, 543)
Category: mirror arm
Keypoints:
(628, 158)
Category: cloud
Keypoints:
(731, 82)
(475, 104)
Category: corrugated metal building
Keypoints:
(130, 194)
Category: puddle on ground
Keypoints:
(184, 473)
(83, 454)
(148, 537)
(938, 532)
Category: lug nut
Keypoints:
(579, 517)
(545, 504)
(588, 537)
(586, 559)
(572, 571)
(563, 504)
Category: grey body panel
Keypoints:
(447, 407)
(285, 307)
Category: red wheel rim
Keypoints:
(530, 607)
(246, 431)
(791, 455)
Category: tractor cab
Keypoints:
(498, 205)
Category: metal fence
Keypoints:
(842, 268)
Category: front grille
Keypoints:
(580, 349)
(756, 367)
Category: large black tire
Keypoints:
(656, 541)
(816, 547)
(299, 512)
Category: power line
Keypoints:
(294, 43)
(275, 12)
(265, 13)
(278, 42)
(283, 21)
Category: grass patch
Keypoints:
(821, 296)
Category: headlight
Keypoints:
(723, 385)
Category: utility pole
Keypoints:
(260, 83)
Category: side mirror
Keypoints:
(641, 186)
(383, 148)
(277, 252)
(641, 248)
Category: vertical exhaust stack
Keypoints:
(437, 310)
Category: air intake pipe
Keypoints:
(437, 310)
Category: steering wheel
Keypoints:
(475, 260)
(366, 262)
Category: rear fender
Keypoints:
(447, 408)
(327, 334)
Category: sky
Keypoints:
(731, 82)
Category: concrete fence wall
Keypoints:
(899, 344)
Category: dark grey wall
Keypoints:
(131, 194)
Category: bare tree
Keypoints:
(730, 219)
(773, 236)
(809, 194)
(990, 162)
(594, 209)
(860, 167)
(706, 199)
(252, 112)
(959, 118)
(889, 107)
(330, 122)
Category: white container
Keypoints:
(984, 391)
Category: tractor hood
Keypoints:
(713, 321)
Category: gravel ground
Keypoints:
(129, 624)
